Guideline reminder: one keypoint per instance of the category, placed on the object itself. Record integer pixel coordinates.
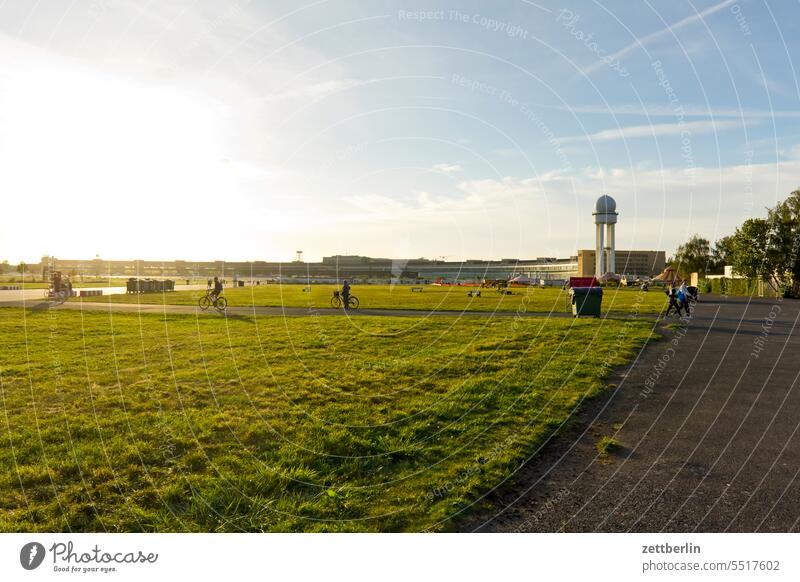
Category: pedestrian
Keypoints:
(672, 294)
(683, 296)
(682, 291)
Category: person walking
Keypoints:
(683, 297)
(672, 294)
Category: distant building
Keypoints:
(355, 266)
(637, 263)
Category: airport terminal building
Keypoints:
(631, 263)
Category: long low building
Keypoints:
(633, 263)
(636, 263)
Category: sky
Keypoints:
(467, 130)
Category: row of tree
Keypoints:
(761, 248)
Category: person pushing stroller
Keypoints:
(675, 302)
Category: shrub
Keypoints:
(725, 286)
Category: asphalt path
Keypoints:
(34, 296)
(703, 315)
(708, 421)
(251, 310)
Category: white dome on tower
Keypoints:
(605, 210)
(605, 220)
(605, 205)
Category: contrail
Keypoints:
(653, 35)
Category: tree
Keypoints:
(753, 253)
(784, 221)
(694, 255)
(767, 249)
(723, 253)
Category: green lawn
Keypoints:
(127, 422)
(401, 297)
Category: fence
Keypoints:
(149, 285)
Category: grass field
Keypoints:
(432, 298)
(127, 422)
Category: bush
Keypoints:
(725, 286)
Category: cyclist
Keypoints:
(346, 293)
(217, 290)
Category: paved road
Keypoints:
(305, 312)
(704, 315)
(710, 421)
(35, 295)
(264, 310)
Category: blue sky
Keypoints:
(460, 129)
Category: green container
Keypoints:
(586, 300)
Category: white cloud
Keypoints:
(447, 168)
(654, 130)
(316, 90)
(660, 110)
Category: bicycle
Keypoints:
(220, 303)
(58, 296)
(336, 301)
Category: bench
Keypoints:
(416, 289)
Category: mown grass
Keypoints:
(127, 422)
(432, 298)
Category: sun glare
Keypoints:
(135, 159)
